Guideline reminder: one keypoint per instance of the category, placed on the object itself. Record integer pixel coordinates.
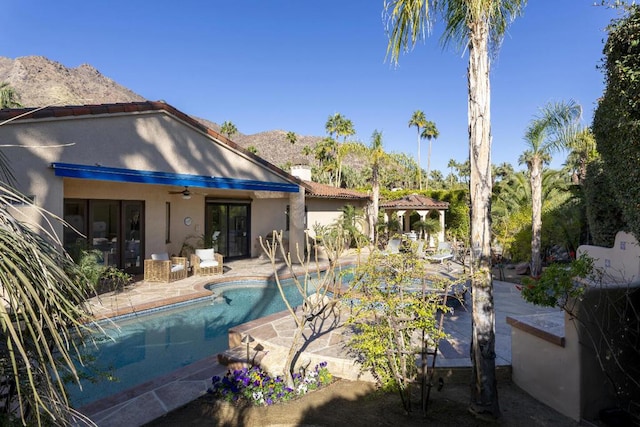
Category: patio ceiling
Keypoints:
(103, 173)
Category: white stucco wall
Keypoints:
(327, 211)
(620, 263)
(547, 371)
(267, 215)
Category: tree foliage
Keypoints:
(616, 122)
(228, 128)
(9, 98)
(604, 214)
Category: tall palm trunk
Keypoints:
(484, 393)
(536, 216)
(419, 167)
(373, 215)
(426, 180)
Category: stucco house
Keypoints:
(141, 178)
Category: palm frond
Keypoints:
(42, 309)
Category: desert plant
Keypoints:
(314, 285)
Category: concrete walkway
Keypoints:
(151, 400)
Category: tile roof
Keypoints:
(313, 189)
(135, 107)
(317, 190)
(415, 201)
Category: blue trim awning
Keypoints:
(104, 173)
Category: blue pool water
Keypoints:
(150, 344)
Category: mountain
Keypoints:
(40, 81)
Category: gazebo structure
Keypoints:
(422, 205)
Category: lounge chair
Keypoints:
(161, 268)
(206, 262)
(443, 253)
(393, 246)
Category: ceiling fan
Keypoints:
(186, 193)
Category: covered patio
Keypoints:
(423, 206)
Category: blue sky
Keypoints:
(286, 64)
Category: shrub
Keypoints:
(255, 386)
(616, 121)
(100, 277)
(557, 284)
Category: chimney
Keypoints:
(302, 172)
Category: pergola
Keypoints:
(422, 205)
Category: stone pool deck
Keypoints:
(146, 402)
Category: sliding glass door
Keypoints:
(114, 228)
(228, 225)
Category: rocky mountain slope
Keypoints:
(40, 81)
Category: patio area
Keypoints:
(159, 396)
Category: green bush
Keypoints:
(101, 278)
(603, 211)
(389, 306)
(558, 283)
(616, 121)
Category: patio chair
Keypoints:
(161, 268)
(206, 262)
(443, 253)
(393, 247)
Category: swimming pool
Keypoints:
(149, 344)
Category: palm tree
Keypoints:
(324, 152)
(339, 125)
(376, 156)
(451, 165)
(418, 120)
(9, 98)
(553, 130)
(291, 137)
(477, 25)
(464, 170)
(437, 179)
(501, 172)
(228, 128)
(583, 151)
(429, 132)
(43, 299)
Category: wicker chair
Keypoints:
(161, 268)
(206, 262)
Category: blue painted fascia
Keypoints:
(104, 173)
